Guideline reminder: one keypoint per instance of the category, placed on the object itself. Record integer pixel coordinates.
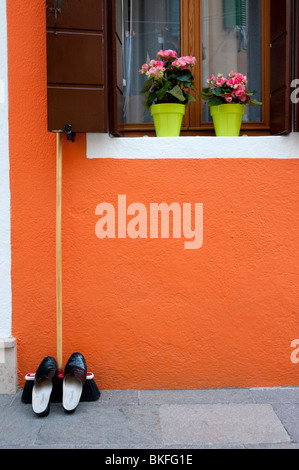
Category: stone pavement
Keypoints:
(266, 418)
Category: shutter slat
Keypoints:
(77, 52)
(76, 14)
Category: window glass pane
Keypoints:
(149, 25)
(231, 32)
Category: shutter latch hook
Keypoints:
(70, 135)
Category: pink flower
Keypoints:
(237, 81)
(230, 83)
(241, 79)
(212, 79)
(156, 63)
(241, 91)
(245, 98)
(185, 62)
(220, 81)
(154, 69)
(180, 63)
(229, 99)
(155, 72)
(168, 55)
(191, 61)
(144, 69)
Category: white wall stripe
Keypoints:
(276, 147)
(5, 246)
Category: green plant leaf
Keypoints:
(147, 85)
(215, 101)
(254, 102)
(177, 93)
(190, 99)
(149, 99)
(162, 92)
(218, 91)
(184, 77)
(205, 96)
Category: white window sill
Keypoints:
(275, 147)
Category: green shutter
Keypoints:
(234, 13)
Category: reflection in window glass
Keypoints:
(149, 25)
(231, 32)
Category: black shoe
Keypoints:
(45, 377)
(74, 378)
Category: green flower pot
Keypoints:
(227, 119)
(168, 119)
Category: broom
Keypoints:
(90, 391)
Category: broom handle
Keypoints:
(58, 248)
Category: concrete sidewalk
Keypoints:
(159, 419)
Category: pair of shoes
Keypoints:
(75, 373)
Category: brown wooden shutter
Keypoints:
(296, 55)
(77, 65)
(281, 66)
(116, 74)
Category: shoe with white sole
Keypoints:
(44, 380)
(75, 373)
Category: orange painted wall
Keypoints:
(147, 313)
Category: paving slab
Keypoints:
(120, 397)
(18, 426)
(276, 395)
(195, 396)
(289, 416)
(121, 426)
(221, 424)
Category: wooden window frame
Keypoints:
(191, 39)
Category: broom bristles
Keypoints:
(27, 392)
(90, 391)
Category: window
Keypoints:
(96, 47)
(234, 35)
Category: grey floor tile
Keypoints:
(288, 446)
(195, 396)
(221, 424)
(19, 426)
(289, 416)
(104, 426)
(119, 397)
(6, 400)
(276, 395)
